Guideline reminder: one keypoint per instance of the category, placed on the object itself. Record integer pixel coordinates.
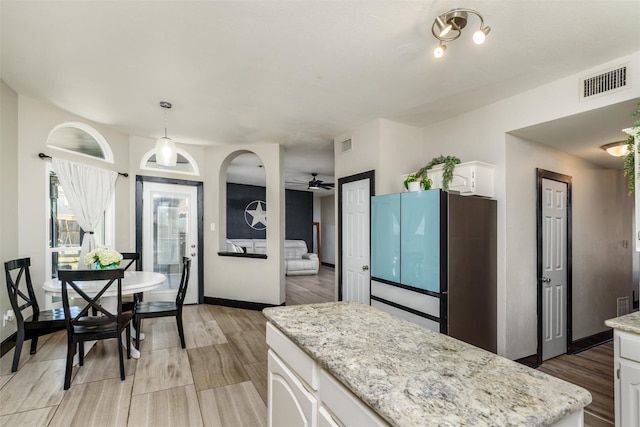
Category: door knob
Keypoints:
(365, 267)
(545, 280)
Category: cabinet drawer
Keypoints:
(348, 409)
(423, 303)
(419, 320)
(629, 346)
(293, 356)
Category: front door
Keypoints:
(170, 232)
(356, 277)
(554, 267)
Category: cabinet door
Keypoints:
(290, 404)
(629, 393)
(420, 239)
(325, 419)
(385, 237)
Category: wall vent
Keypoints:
(345, 145)
(623, 306)
(604, 83)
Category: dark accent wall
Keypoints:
(298, 213)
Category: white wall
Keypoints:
(328, 230)
(243, 279)
(8, 191)
(602, 220)
(481, 135)
(389, 148)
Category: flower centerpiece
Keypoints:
(103, 258)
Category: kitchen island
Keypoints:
(352, 364)
(626, 366)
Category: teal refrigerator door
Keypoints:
(385, 237)
(420, 239)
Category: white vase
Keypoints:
(414, 186)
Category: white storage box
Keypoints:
(469, 178)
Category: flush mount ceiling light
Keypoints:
(616, 149)
(448, 27)
(166, 152)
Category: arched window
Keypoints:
(81, 139)
(185, 164)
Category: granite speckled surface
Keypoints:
(629, 322)
(411, 376)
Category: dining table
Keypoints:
(133, 282)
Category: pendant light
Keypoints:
(166, 152)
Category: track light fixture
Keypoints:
(166, 151)
(448, 27)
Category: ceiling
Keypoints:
(299, 73)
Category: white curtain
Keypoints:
(89, 191)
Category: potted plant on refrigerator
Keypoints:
(449, 164)
(416, 182)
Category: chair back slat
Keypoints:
(14, 281)
(70, 279)
(184, 281)
(131, 258)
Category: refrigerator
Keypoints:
(433, 262)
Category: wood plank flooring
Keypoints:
(593, 370)
(311, 289)
(220, 379)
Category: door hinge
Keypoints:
(618, 373)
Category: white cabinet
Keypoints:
(627, 378)
(301, 394)
(290, 404)
(469, 178)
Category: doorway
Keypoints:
(354, 237)
(169, 227)
(553, 264)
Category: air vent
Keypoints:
(346, 145)
(604, 83)
(623, 306)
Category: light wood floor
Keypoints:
(593, 370)
(311, 289)
(220, 379)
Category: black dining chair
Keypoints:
(39, 323)
(130, 259)
(83, 327)
(152, 309)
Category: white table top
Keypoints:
(132, 283)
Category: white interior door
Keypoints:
(356, 277)
(170, 232)
(554, 267)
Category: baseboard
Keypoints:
(530, 361)
(591, 341)
(328, 264)
(248, 305)
(8, 344)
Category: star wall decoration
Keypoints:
(257, 211)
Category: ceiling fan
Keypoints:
(316, 184)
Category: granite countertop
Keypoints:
(412, 376)
(629, 322)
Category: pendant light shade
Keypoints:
(166, 151)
